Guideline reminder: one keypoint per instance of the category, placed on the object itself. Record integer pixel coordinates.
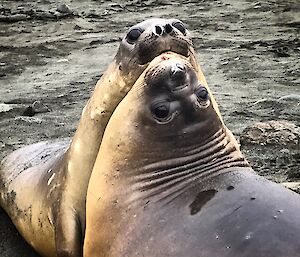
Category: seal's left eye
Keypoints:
(202, 94)
(161, 111)
(134, 34)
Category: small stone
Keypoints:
(62, 60)
(285, 151)
(36, 107)
(63, 8)
(5, 107)
(270, 133)
(39, 107)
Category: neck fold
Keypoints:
(174, 176)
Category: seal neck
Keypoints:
(170, 177)
(82, 153)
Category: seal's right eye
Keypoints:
(203, 98)
(161, 111)
(202, 94)
(134, 34)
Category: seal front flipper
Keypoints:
(68, 235)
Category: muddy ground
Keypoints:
(249, 51)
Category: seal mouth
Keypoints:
(179, 88)
(165, 56)
(183, 52)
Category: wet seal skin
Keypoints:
(52, 177)
(169, 180)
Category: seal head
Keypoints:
(151, 38)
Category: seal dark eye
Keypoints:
(161, 111)
(134, 34)
(180, 26)
(202, 94)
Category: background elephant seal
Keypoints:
(43, 186)
(170, 181)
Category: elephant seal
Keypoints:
(170, 181)
(43, 186)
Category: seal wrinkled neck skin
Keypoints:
(163, 138)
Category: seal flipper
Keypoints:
(68, 236)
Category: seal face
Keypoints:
(176, 99)
(169, 180)
(46, 199)
(150, 38)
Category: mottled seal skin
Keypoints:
(43, 186)
(169, 180)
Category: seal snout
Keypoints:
(178, 77)
(160, 30)
(177, 71)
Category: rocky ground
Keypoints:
(53, 53)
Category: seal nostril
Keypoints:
(158, 30)
(177, 68)
(168, 28)
(180, 26)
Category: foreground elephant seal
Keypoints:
(43, 186)
(169, 180)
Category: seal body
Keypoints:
(27, 188)
(169, 180)
(46, 198)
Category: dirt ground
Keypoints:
(51, 57)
